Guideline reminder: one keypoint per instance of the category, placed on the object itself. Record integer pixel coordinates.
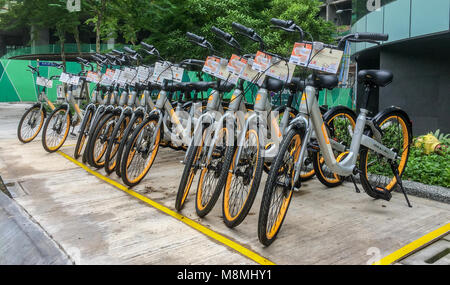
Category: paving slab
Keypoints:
(24, 242)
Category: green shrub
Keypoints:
(433, 169)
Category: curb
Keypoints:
(431, 192)
(436, 193)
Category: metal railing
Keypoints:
(56, 49)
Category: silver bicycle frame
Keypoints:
(347, 166)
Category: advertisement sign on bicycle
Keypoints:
(212, 65)
(262, 62)
(237, 64)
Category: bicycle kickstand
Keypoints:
(400, 183)
(354, 183)
(73, 132)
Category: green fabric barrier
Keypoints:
(17, 84)
(336, 97)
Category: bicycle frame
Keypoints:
(347, 166)
(263, 104)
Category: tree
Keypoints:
(198, 16)
(97, 10)
(50, 14)
(305, 14)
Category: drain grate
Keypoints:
(15, 189)
(438, 256)
(437, 253)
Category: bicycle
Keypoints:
(204, 153)
(143, 146)
(33, 119)
(246, 165)
(370, 139)
(57, 125)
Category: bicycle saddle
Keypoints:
(199, 86)
(274, 85)
(225, 87)
(322, 81)
(153, 86)
(297, 85)
(173, 86)
(375, 77)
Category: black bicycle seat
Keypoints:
(225, 87)
(322, 81)
(375, 77)
(297, 85)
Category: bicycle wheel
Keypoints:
(278, 190)
(396, 134)
(140, 152)
(56, 129)
(30, 124)
(280, 118)
(83, 133)
(100, 140)
(243, 181)
(134, 123)
(338, 122)
(190, 169)
(114, 143)
(213, 177)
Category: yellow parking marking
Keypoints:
(406, 250)
(199, 227)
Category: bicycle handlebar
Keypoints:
(193, 37)
(249, 32)
(282, 23)
(221, 34)
(227, 38)
(147, 46)
(195, 62)
(288, 26)
(118, 52)
(371, 37)
(129, 50)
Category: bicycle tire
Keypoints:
(265, 237)
(59, 144)
(20, 136)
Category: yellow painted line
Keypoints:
(407, 249)
(69, 145)
(199, 227)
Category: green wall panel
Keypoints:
(7, 91)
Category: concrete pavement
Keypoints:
(95, 223)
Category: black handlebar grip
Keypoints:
(118, 52)
(372, 36)
(194, 37)
(282, 23)
(147, 46)
(82, 60)
(101, 56)
(243, 29)
(195, 62)
(224, 35)
(129, 50)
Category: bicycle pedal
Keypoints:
(382, 193)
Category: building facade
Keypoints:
(417, 52)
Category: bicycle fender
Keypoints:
(328, 114)
(386, 111)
